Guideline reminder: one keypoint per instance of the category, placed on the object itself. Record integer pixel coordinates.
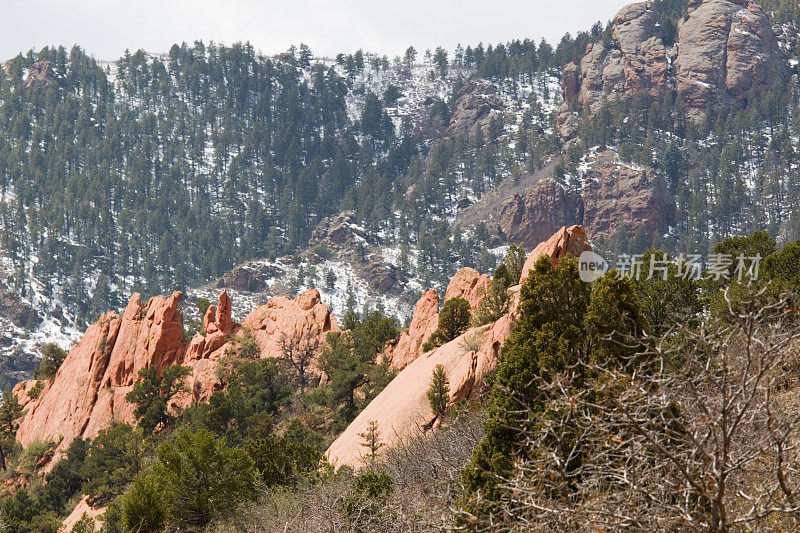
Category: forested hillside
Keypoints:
(162, 171)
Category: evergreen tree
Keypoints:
(439, 392)
(152, 394)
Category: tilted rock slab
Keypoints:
(402, 409)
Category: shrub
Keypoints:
(52, 358)
(453, 321)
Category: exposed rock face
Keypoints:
(477, 102)
(83, 508)
(467, 284)
(637, 62)
(89, 389)
(531, 218)
(725, 48)
(304, 320)
(402, 351)
(572, 241)
(340, 234)
(41, 72)
(402, 408)
(616, 195)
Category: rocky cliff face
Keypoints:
(89, 389)
(724, 48)
(616, 195)
(635, 61)
(528, 219)
(613, 195)
(402, 408)
(478, 101)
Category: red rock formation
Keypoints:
(305, 319)
(467, 284)
(402, 351)
(83, 508)
(89, 389)
(571, 241)
(402, 409)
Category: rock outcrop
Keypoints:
(613, 195)
(530, 218)
(725, 48)
(402, 409)
(89, 389)
(340, 234)
(467, 284)
(618, 196)
(637, 61)
(83, 508)
(402, 351)
(42, 72)
(477, 103)
(566, 241)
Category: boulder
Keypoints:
(724, 48)
(340, 234)
(402, 408)
(89, 389)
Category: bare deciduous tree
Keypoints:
(299, 353)
(699, 433)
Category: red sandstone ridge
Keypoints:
(565, 241)
(402, 408)
(467, 284)
(89, 389)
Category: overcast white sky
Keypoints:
(105, 28)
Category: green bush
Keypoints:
(202, 478)
(453, 321)
(52, 358)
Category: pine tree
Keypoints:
(371, 441)
(439, 392)
(10, 413)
